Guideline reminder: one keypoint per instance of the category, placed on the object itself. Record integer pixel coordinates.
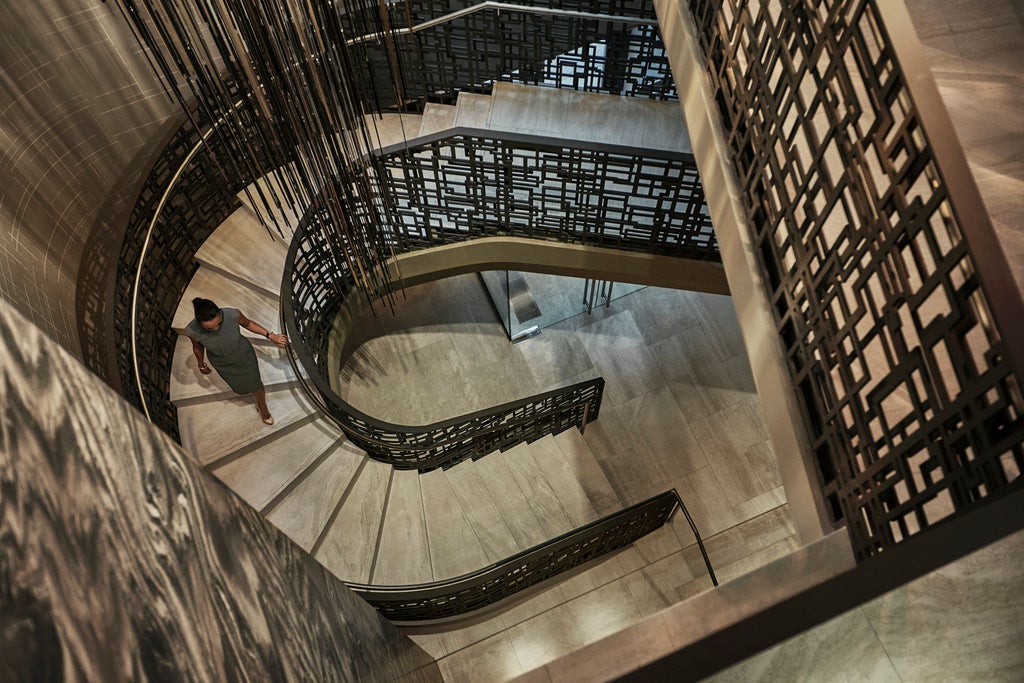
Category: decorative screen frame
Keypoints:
(900, 324)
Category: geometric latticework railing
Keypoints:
(469, 52)
(464, 594)
(459, 186)
(464, 183)
(895, 340)
(315, 285)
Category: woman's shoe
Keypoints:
(268, 420)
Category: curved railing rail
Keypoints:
(650, 201)
(488, 586)
(420, 447)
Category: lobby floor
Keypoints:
(680, 411)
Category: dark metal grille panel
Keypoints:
(317, 283)
(475, 183)
(529, 568)
(579, 54)
(912, 403)
(461, 186)
(471, 52)
(200, 202)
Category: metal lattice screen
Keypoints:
(519, 47)
(469, 185)
(912, 401)
(609, 47)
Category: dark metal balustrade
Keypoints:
(464, 594)
(616, 50)
(314, 292)
(463, 185)
(903, 329)
(181, 201)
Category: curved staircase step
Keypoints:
(454, 547)
(573, 115)
(436, 117)
(403, 556)
(349, 546)
(534, 485)
(242, 247)
(472, 110)
(572, 497)
(228, 293)
(515, 508)
(211, 431)
(304, 513)
(265, 472)
(286, 217)
(188, 385)
(391, 129)
(588, 472)
(482, 510)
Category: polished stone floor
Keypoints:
(679, 411)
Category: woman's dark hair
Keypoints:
(205, 309)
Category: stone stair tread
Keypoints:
(534, 484)
(391, 129)
(210, 431)
(228, 293)
(350, 544)
(572, 497)
(307, 509)
(437, 117)
(593, 117)
(242, 246)
(454, 547)
(190, 385)
(287, 216)
(403, 556)
(588, 472)
(472, 110)
(524, 109)
(487, 519)
(512, 503)
(264, 472)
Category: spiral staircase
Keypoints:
(370, 524)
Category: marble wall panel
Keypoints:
(78, 106)
(122, 560)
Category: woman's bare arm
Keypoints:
(200, 352)
(254, 327)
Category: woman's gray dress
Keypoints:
(229, 352)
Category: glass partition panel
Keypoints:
(529, 302)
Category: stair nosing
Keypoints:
(322, 536)
(290, 487)
(221, 395)
(255, 444)
(238, 279)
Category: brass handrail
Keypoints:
(145, 247)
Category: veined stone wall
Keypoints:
(78, 103)
(121, 559)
